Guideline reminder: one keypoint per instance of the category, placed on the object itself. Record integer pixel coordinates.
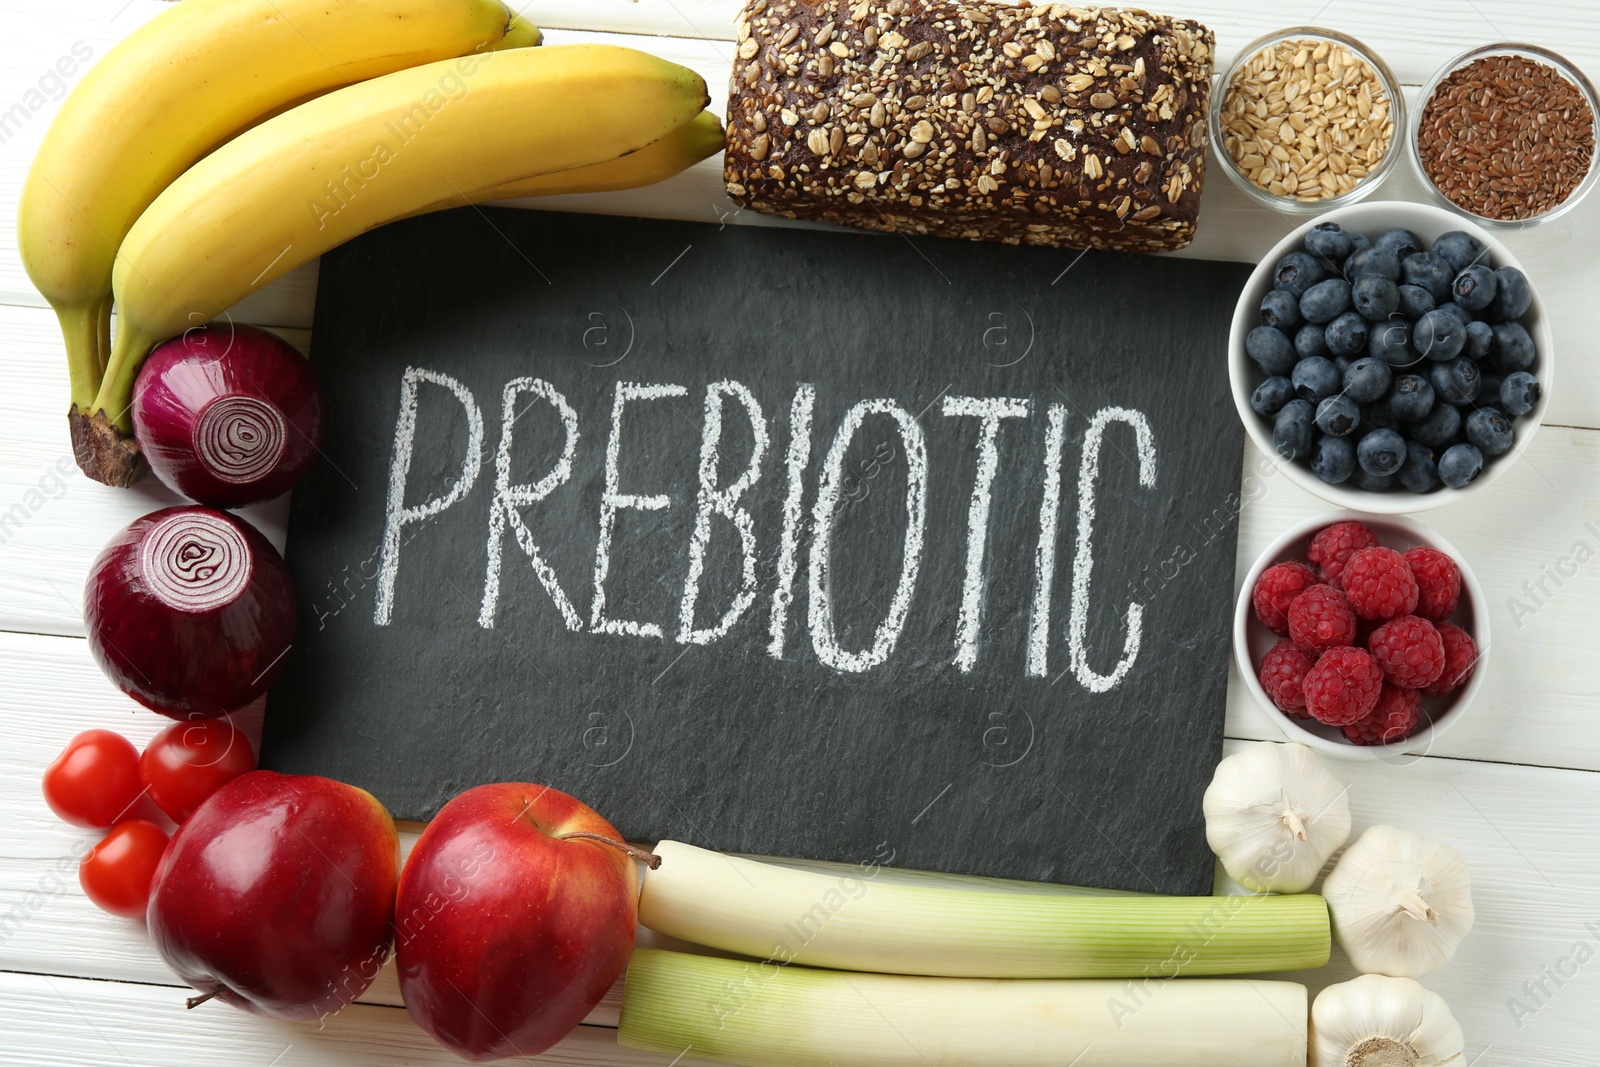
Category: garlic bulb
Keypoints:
(1375, 1021)
(1274, 815)
(1400, 903)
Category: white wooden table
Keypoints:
(1516, 787)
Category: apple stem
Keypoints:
(195, 1002)
(649, 859)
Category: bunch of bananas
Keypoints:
(226, 142)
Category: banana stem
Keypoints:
(115, 397)
(80, 327)
(102, 429)
(103, 340)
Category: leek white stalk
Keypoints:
(759, 1015)
(854, 922)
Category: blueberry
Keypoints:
(1450, 307)
(1372, 483)
(1281, 310)
(1456, 381)
(1391, 342)
(1401, 242)
(1459, 249)
(1512, 295)
(1410, 398)
(1519, 393)
(1415, 301)
(1440, 335)
(1459, 465)
(1489, 431)
(1338, 415)
(1347, 334)
(1342, 365)
(1291, 431)
(1427, 270)
(1315, 379)
(1512, 349)
(1297, 272)
(1419, 473)
(1474, 288)
(1381, 452)
(1480, 337)
(1358, 241)
(1270, 349)
(1309, 341)
(1372, 260)
(1326, 300)
(1439, 428)
(1270, 396)
(1328, 240)
(1367, 379)
(1375, 296)
(1333, 459)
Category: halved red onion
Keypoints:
(227, 415)
(190, 611)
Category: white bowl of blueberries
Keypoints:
(1393, 355)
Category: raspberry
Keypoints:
(1276, 589)
(1379, 584)
(1334, 545)
(1321, 618)
(1460, 657)
(1282, 670)
(1395, 717)
(1343, 687)
(1409, 651)
(1438, 582)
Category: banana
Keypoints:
(677, 151)
(299, 184)
(174, 89)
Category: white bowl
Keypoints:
(1251, 639)
(1427, 222)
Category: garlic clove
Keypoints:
(1274, 814)
(1378, 1021)
(1400, 903)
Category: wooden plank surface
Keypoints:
(78, 987)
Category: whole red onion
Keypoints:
(190, 611)
(227, 415)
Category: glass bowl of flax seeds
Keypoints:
(1505, 135)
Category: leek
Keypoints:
(761, 1014)
(853, 921)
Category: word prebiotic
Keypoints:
(804, 538)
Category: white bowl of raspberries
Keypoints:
(1362, 635)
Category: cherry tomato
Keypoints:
(188, 761)
(95, 780)
(116, 874)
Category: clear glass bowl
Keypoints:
(1526, 51)
(1289, 205)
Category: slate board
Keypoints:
(1030, 768)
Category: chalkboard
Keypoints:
(810, 544)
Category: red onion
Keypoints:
(190, 611)
(227, 415)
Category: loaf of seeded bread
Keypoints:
(1048, 125)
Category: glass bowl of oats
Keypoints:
(1505, 135)
(1307, 119)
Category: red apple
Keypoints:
(513, 919)
(277, 895)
